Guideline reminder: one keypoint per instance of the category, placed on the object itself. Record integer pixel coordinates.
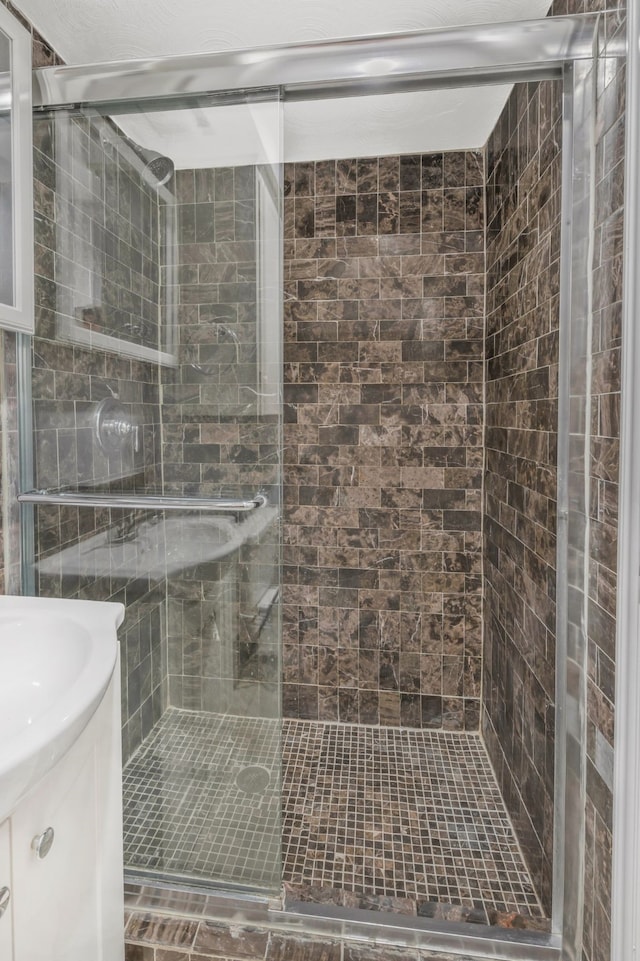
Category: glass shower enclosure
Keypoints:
(156, 416)
(152, 393)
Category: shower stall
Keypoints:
(323, 426)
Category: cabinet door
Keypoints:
(6, 941)
(56, 897)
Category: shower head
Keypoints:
(159, 168)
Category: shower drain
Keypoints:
(254, 779)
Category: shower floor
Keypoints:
(404, 820)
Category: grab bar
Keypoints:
(143, 501)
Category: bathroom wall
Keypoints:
(384, 299)
(523, 251)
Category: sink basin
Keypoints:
(160, 547)
(56, 661)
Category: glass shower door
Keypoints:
(155, 406)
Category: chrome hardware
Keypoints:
(5, 897)
(42, 843)
(256, 623)
(113, 425)
(268, 599)
(462, 55)
(123, 532)
(145, 501)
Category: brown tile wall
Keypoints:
(155, 938)
(384, 299)
(523, 250)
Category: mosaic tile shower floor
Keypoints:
(372, 816)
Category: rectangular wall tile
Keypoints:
(385, 408)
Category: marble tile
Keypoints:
(517, 505)
(383, 348)
(234, 942)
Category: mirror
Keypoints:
(16, 188)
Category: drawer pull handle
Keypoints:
(42, 843)
(5, 897)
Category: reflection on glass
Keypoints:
(129, 267)
(7, 257)
(112, 219)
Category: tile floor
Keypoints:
(191, 808)
(380, 812)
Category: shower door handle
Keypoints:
(156, 502)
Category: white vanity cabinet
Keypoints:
(6, 907)
(62, 848)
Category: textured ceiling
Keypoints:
(87, 31)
